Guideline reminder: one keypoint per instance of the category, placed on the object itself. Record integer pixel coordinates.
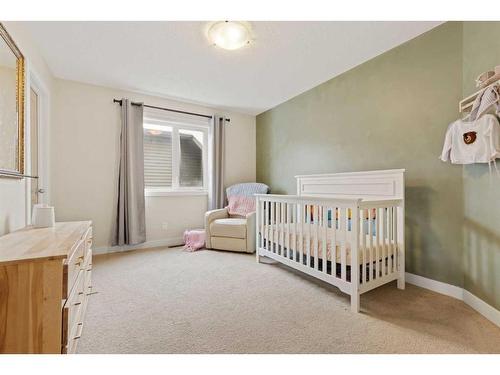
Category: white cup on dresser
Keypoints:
(43, 216)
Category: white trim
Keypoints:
(174, 241)
(360, 173)
(33, 80)
(43, 134)
(435, 286)
(486, 310)
(166, 192)
(160, 118)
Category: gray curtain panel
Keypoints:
(216, 190)
(130, 220)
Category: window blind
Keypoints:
(157, 159)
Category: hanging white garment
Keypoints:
(468, 142)
(488, 97)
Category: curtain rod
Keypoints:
(168, 109)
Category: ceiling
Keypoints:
(175, 60)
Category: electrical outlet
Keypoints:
(164, 226)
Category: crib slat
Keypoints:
(266, 218)
(308, 243)
(377, 238)
(324, 239)
(300, 213)
(363, 244)
(334, 245)
(383, 224)
(317, 236)
(273, 226)
(370, 240)
(315, 251)
(343, 230)
(288, 225)
(396, 239)
(284, 251)
(391, 243)
(261, 222)
(269, 229)
(260, 228)
(386, 242)
(276, 228)
(293, 248)
(280, 229)
(269, 226)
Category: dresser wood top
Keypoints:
(41, 243)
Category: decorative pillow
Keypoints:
(241, 205)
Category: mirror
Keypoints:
(11, 107)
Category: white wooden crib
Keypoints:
(346, 229)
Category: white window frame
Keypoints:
(176, 156)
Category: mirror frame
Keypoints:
(20, 107)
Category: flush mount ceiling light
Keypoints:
(229, 35)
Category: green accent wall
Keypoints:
(390, 112)
(481, 52)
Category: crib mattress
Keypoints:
(372, 253)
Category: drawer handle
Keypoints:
(80, 293)
(77, 303)
(80, 260)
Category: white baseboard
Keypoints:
(486, 310)
(174, 241)
(435, 286)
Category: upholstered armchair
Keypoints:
(233, 227)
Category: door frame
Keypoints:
(35, 82)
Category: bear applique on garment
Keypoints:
(469, 137)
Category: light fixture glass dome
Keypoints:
(229, 35)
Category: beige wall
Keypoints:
(84, 161)
(13, 211)
(481, 48)
(390, 112)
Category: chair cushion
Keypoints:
(234, 228)
(229, 244)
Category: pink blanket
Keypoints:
(241, 205)
(194, 239)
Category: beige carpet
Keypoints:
(169, 301)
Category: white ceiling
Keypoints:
(175, 60)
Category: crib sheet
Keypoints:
(373, 252)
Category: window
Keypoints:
(175, 156)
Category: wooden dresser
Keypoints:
(45, 282)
